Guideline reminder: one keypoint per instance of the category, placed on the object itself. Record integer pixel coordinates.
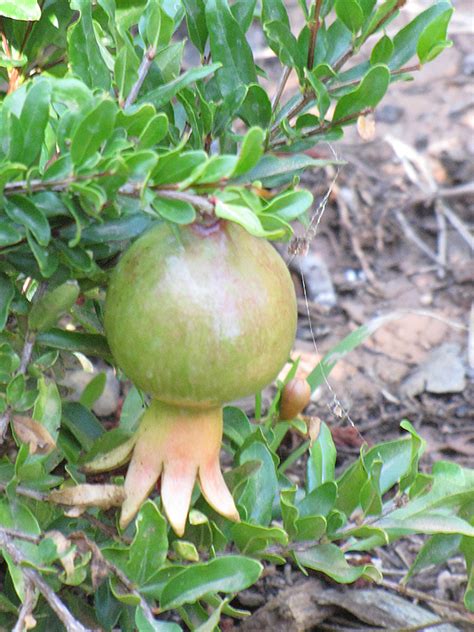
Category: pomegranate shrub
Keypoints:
(145, 161)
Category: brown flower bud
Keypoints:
(294, 398)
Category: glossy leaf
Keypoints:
(229, 47)
(321, 462)
(21, 209)
(367, 95)
(149, 547)
(227, 574)
(163, 95)
(46, 311)
(250, 151)
(433, 38)
(27, 10)
(7, 292)
(329, 559)
(94, 129)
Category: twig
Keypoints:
(26, 608)
(356, 82)
(25, 491)
(418, 594)
(145, 66)
(281, 86)
(198, 201)
(201, 203)
(326, 126)
(461, 190)
(64, 615)
(458, 225)
(121, 576)
(442, 239)
(21, 535)
(348, 54)
(412, 236)
(313, 29)
(24, 362)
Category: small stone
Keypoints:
(468, 65)
(426, 299)
(389, 114)
(442, 372)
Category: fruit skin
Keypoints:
(295, 396)
(199, 318)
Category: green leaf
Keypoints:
(405, 41)
(330, 560)
(291, 205)
(251, 151)
(196, 21)
(367, 95)
(93, 130)
(246, 218)
(47, 259)
(467, 548)
(227, 574)
(433, 38)
(350, 13)
(7, 292)
(282, 41)
(88, 344)
(229, 47)
(149, 547)
(437, 550)
(82, 424)
(251, 538)
(27, 10)
(21, 209)
(321, 463)
(48, 408)
(33, 120)
(161, 96)
(9, 234)
(53, 304)
(84, 52)
(93, 390)
(126, 69)
(321, 92)
(145, 625)
(271, 166)
(176, 211)
(256, 108)
(382, 51)
(154, 131)
(261, 488)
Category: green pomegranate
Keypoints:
(196, 316)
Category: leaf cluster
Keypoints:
(105, 129)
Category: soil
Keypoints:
(423, 143)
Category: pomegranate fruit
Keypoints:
(195, 316)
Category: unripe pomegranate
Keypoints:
(196, 316)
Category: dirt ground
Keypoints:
(396, 236)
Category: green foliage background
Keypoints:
(104, 131)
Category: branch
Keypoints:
(24, 362)
(281, 86)
(356, 82)
(143, 70)
(32, 576)
(324, 127)
(348, 54)
(26, 610)
(314, 28)
(121, 576)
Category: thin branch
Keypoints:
(352, 50)
(313, 29)
(356, 82)
(325, 127)
(200, 202)
(64, 615)
(26, 492)
(26, 609)
(20, 535)
(281, 86)
(143, 70)
(418, 594)
(121, 576)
